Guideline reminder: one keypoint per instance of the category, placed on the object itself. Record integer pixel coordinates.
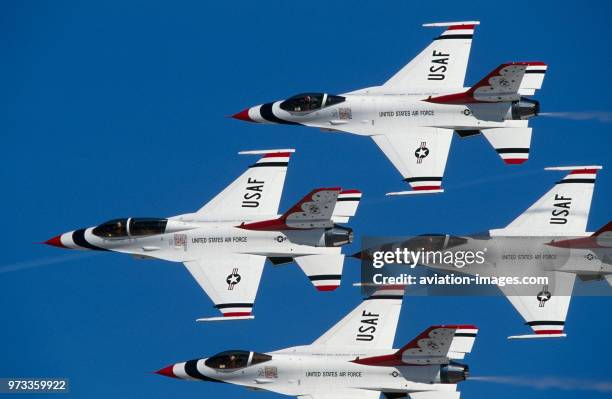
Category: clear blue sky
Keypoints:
(118, 108)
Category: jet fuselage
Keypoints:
(307, 371)
(360, 113)
(184, 239)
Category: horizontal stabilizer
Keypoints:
(435, 345)
(512, 144)
(313, 211)
(533, 79)
(501, 85)
(346, 205)
(323, 271)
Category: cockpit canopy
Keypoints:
(131, 227)
(236, 359)
(307, 102)
(433, 242)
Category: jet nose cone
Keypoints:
(167, 371)
(56, 242)
(243, 115)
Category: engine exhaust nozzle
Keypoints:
(454, 372)
(525, 108)
(338, 236)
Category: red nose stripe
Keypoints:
(56, 242)
(167, 371)
(243, 116)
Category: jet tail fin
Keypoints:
(563, 210)
(441, 65)
(313, 211)
(505, 83)
(255, 192)
(372, 324)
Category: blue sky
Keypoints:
(118, 109)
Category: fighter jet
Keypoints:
(411, 117)
(543, 251)
(225, 243)
(353, 359)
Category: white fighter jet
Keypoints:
(549, 241)
(225, 244)
(352, 360)
(412, 116)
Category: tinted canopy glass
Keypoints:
(228, 360)
(259, 358)
(454, 241)
(303, 102)
(306, 102)
(431, 242)
(112, 229)
(332, 100)
(147, 226)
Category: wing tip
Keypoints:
(536, 336)
(595, 167)
(414, 192)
